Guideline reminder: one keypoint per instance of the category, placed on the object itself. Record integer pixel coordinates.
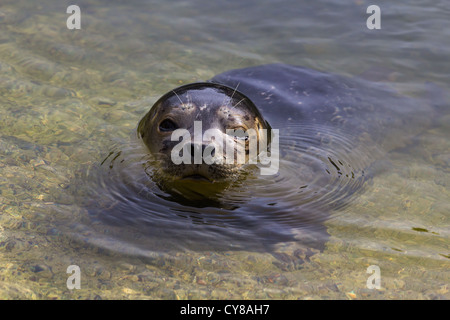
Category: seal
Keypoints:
(221, 113)
(335, 133)
(332, 118)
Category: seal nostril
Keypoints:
(210, 150)
(192, 150)
(196, 153)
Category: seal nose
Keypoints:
(198, 150)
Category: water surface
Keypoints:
(68, 98)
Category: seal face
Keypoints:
(203, 112)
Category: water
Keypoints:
(71, 98)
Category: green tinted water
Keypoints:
(67, 96)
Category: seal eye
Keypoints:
(167, 125)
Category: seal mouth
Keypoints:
(196, 177)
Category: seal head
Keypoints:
(195, 123)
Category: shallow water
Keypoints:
(70, 98)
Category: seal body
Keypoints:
(292, 94)
(359, 113)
